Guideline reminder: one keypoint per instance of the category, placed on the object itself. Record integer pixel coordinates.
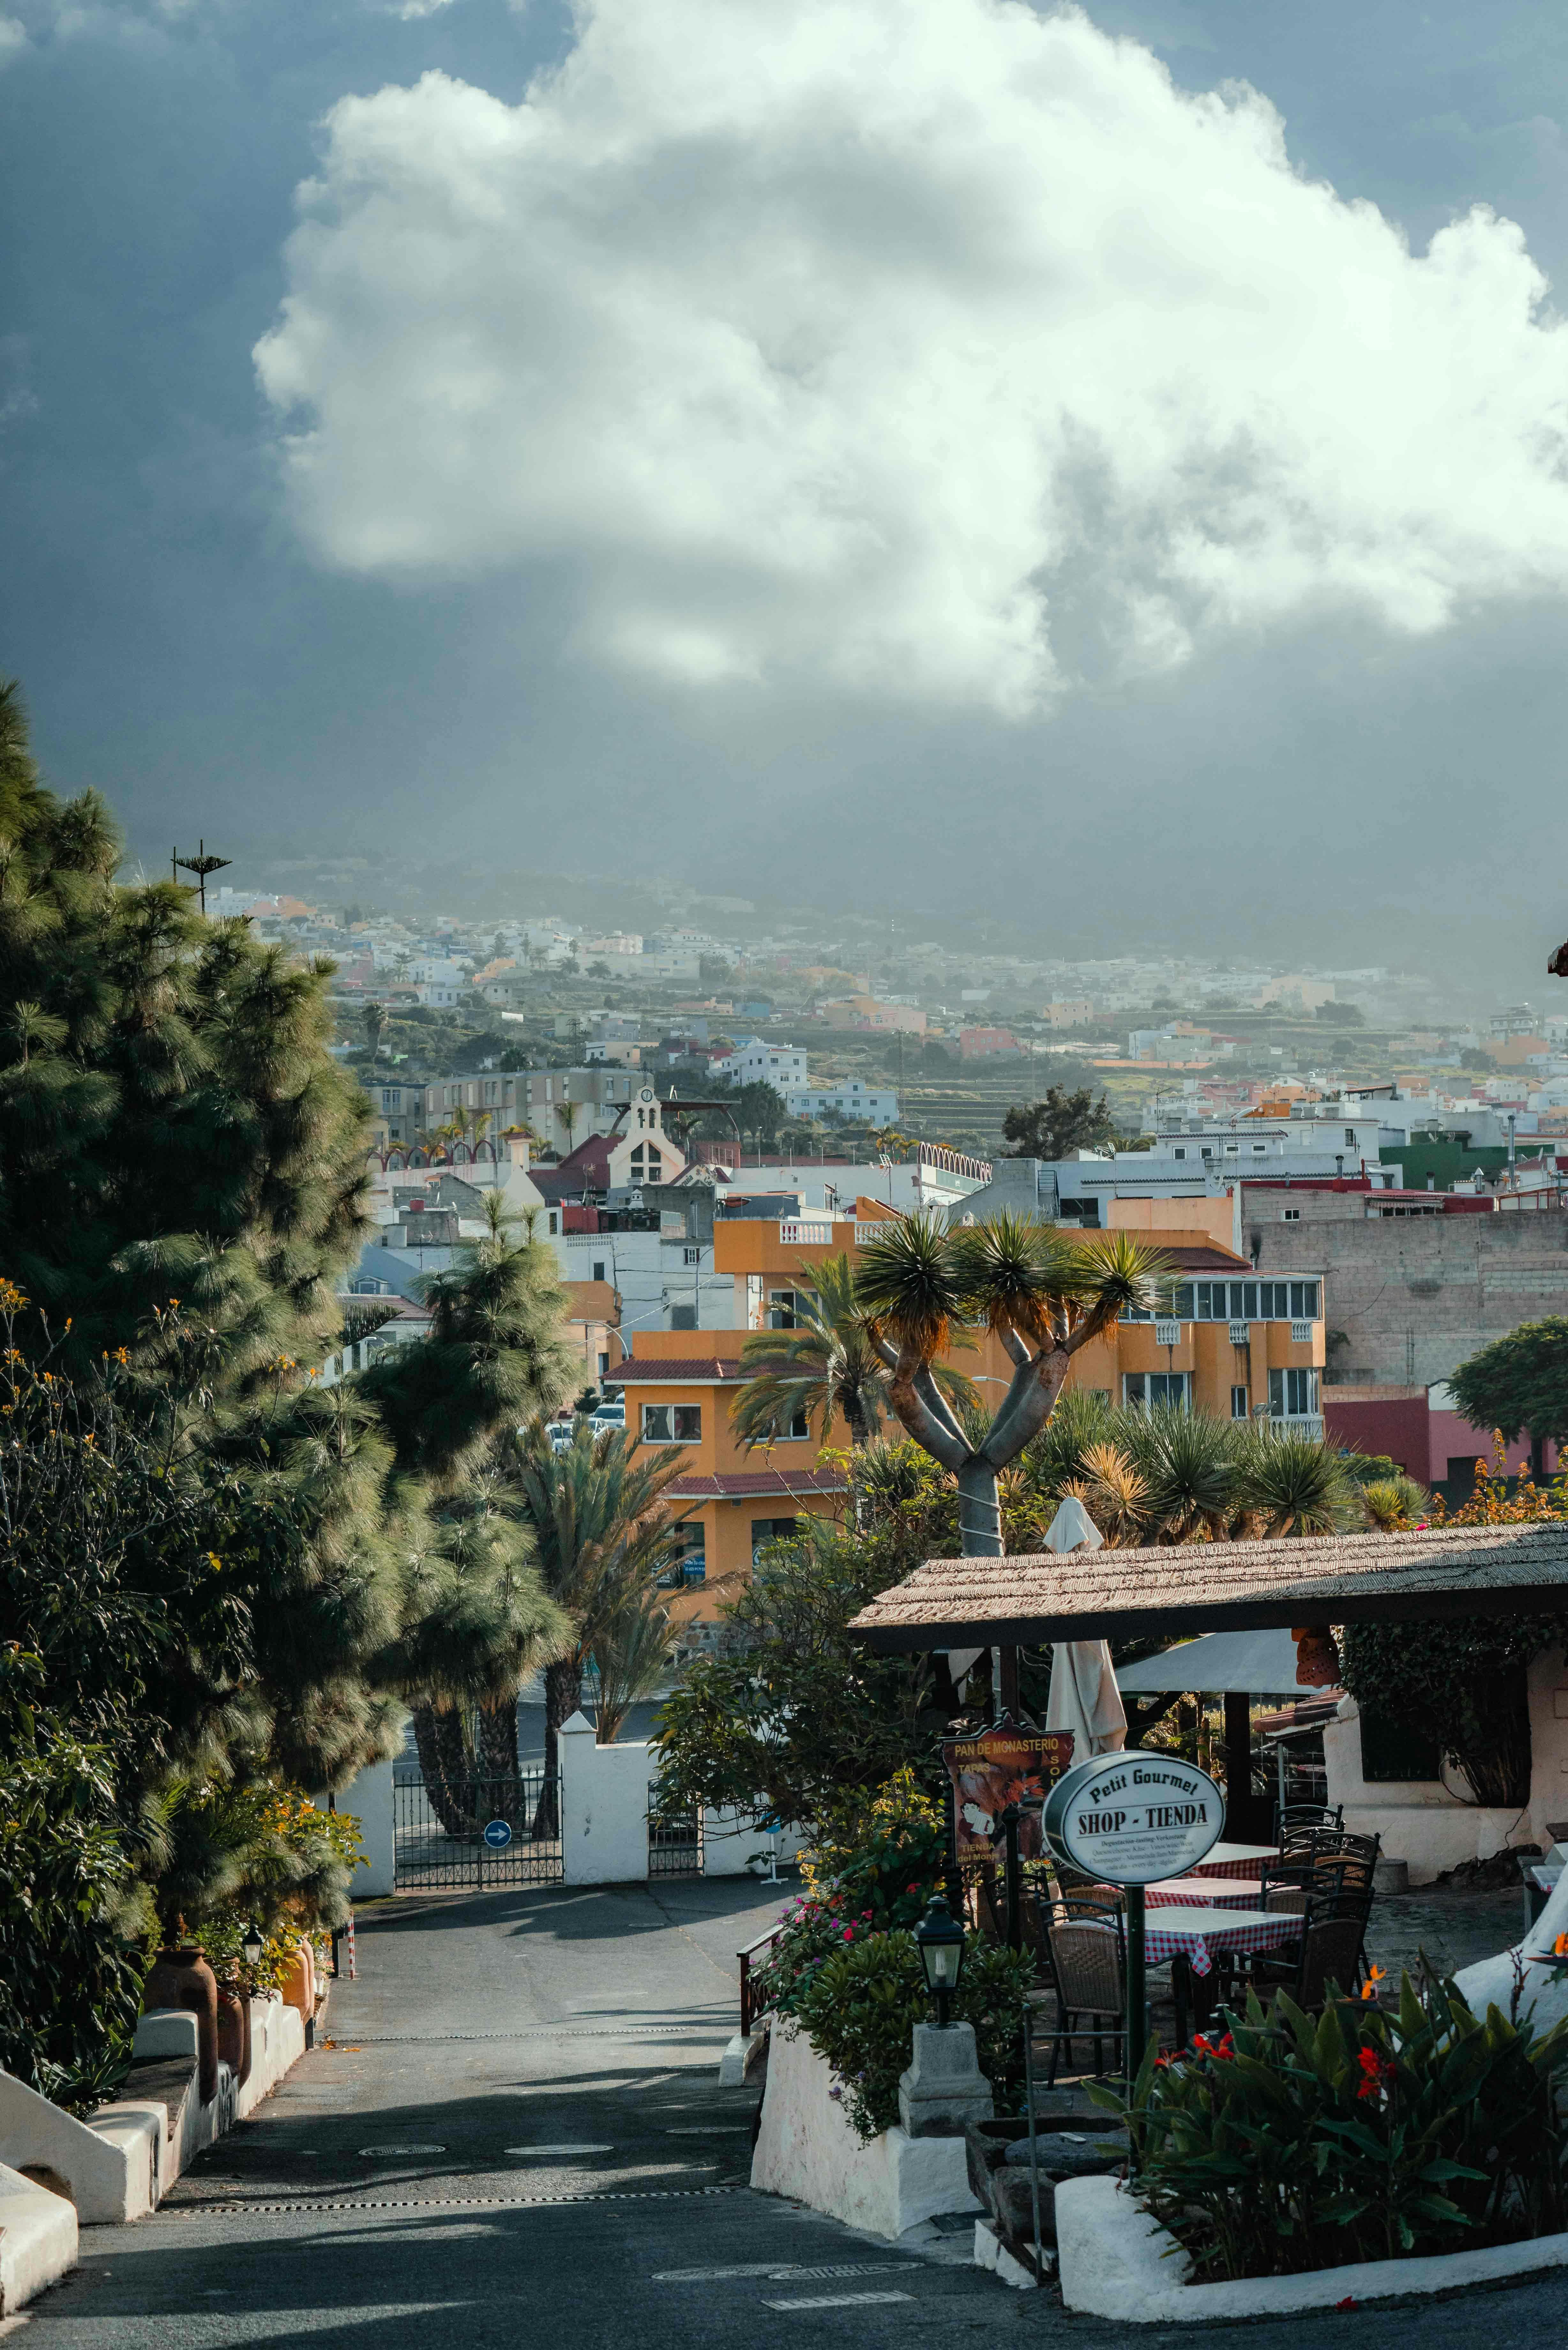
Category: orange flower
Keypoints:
(1374, 1975)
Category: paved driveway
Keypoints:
(515, 2136)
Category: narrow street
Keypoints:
(516, 2127)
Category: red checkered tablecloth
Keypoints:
(1197, 1933)
(1207, 1893)
(1236, 1860)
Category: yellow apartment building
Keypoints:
(1239, 1342)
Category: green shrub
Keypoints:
(860, 2006)
(882, 1855)
(1296, 2143)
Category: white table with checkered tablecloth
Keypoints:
(1235, 1860)
(1196, 1933)
(1205, 1893)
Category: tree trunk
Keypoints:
(980, 1514)
(502, 1797)
(563, 1697)
(443, 1765)
(1538, 1459)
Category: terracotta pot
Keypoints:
(183, 1979)
(297, 1986)
(234, 2032)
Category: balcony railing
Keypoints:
(1240, 1334)
(1300, 1334)
(806, 1232)
(1168, 1334)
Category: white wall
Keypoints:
(1419, 1820)
(369, 1798)
(603, 1807)
(1548, 1743)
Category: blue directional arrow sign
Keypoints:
(497, 1835)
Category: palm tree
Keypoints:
(375, 1019)
(1188, 1463)
(1045, 1296)
(829, 1364)
(1291, 1483)
(631, 1656)
(601, 1530)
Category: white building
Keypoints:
(783, 1066)
(849, 1098)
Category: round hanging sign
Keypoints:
(497, 1835)
(1134, 1817)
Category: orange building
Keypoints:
(1239, 1342)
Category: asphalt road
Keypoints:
(515, 2133)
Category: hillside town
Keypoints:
(784, 1174)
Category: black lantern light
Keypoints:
(252, 1946)
(938, 1937)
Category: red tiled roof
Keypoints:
(782, 1483)
(677, 1368)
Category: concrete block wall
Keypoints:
(1416, 1296)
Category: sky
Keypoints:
(1106, 466)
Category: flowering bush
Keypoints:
(860, 2003)
(882, 1855)
(1294, 2142)
(816, 1925)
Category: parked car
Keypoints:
(609, 1415)
(560, 1433)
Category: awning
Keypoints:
(1262, 1663)
(1106, 1595)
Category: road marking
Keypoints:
(560, 2149)
(716, 2276)
(838, 2300)
(784, 2271)
(720, 2129)
(402, 2149)
(299, 2206)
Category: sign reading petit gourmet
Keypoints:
(998, 1768)
(1134, 1817)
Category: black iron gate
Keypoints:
(675, 1845)
(450, 1839)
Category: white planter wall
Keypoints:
(805, 2149)
(369, 1798)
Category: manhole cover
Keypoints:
(402, 2149)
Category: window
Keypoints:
(555, 1221)
(603, 1362)
(1179, 1153)
(771, 1530)
(599, 1268)
(1304, 1301)
(671, 1423)
(798, 1429)
(692, 1256)
(1290, 1216)
(1293, 1395)
(1155, 1390)
(683, 1318)
(784, 1305)
(1239, 1403)
(1260, 1150)
(754, 1301)
(1350, 1135)
(1182, 1301)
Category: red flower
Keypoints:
(1349, 2302)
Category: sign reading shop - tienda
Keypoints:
(1133, 1817)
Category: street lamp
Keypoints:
(252, 1946)
(940, 1938)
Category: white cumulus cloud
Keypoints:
(912, 347)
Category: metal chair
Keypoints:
(1291, 1818)
(1333, 1930)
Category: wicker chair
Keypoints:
(1089, 1969)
